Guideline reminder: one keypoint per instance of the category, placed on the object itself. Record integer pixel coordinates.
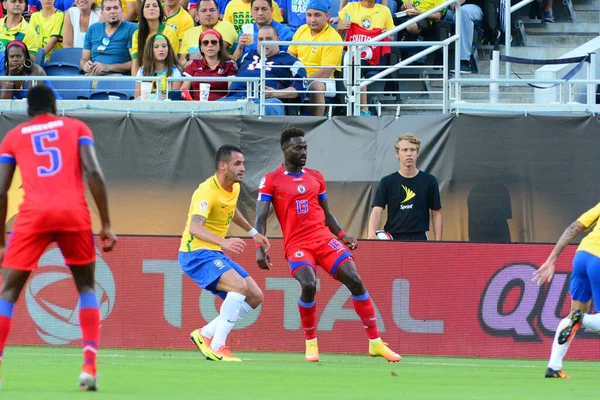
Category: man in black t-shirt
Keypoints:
(409, 194)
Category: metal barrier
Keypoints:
(508, 10)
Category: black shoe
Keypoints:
(566, 334)
(551, 373)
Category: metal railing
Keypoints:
(508, 10)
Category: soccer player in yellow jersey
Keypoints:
(213, 208)
(48, 24)
(322, 59)
(585, 285)
(238, 12)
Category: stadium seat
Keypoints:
(334, 9)
(122, 89)
(73, 90)
(40, 57)
(61, 69)
(69, 56)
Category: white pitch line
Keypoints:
(199, 357)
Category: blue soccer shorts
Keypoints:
(205, 267)
(585, 279)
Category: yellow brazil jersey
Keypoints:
(164, 30)
(181, 21)
(23, 32)
(125, 4)
(368, 18)
(238, 13)
(47, 28)
(215, 204)
(591, 243)
(190, 45)
(317, 55)
(426, 5)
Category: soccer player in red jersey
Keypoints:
(51, 152)
(299, 197)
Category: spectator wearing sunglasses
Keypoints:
(106, 44)
(214, 62)
(14, 27)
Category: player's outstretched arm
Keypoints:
(198, 230)
(6, 175)
(546, 271)
(95, 179)
(263, 258)
(259, 238)
(334, 226)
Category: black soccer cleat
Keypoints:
(551, 373)
(567, 333)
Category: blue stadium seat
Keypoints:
(70, 56)
(61, 69)
(73, 90)
(122, 89)
(334, 9)
(40, 57)
(393, 6)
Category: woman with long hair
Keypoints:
(159, 60)
(214, 62)
(18, 63)
(77, 20)
(152, 18)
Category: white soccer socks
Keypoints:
(230, 312)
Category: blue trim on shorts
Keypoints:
(306, 305)
(297, 264)
(362, 297)
(345, 255)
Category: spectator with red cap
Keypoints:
(215, 62)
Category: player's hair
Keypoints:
(224, 153)
(40, 100)
(408, 137)
(268, 1)
(289, 133)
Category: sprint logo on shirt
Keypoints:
(409, 195)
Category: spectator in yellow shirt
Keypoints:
(16, 28)
(130, 10)
(416, 7)
(320, 61)
(239, 12)
(208, 17)
(151, 22)
(48, 24)
(177, 18)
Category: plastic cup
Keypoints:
(204, 91)
(110, 97)
(146, 89)
(248, 29)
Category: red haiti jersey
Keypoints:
(295, 198)
(46, 150)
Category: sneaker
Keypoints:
(87, 382)
(202, 342)
(548, 17)
(465, 67)
(378, 348)
(312, 351)
(551, 373)
(567, 334)
(223, 354)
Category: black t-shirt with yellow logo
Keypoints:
(408, 200)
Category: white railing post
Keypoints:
(262, 83)
(445, 99)
(494, 74)
(457, 28)
(591, 75)
(356, 81)
(507, 34)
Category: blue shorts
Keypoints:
(205, 267)
(585, 279)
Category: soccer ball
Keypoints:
(383, 235)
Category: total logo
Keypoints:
(48, 305)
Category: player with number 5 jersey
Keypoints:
(299, 197)
(51, 153)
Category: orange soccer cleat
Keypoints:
(378, 348)
(223, 354)
(312, 351)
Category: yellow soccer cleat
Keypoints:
(378, 348)
(223, 354)
(202, 342)
(312, 351)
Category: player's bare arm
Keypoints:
(334, 226)
(259, 238)
(198, 230)
(546, 271)
(95, 179)
(263, 258)
(374, 222)
(6, 175)
(436, 216)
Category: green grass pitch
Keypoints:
(51, 373)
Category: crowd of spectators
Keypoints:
(207, 39)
